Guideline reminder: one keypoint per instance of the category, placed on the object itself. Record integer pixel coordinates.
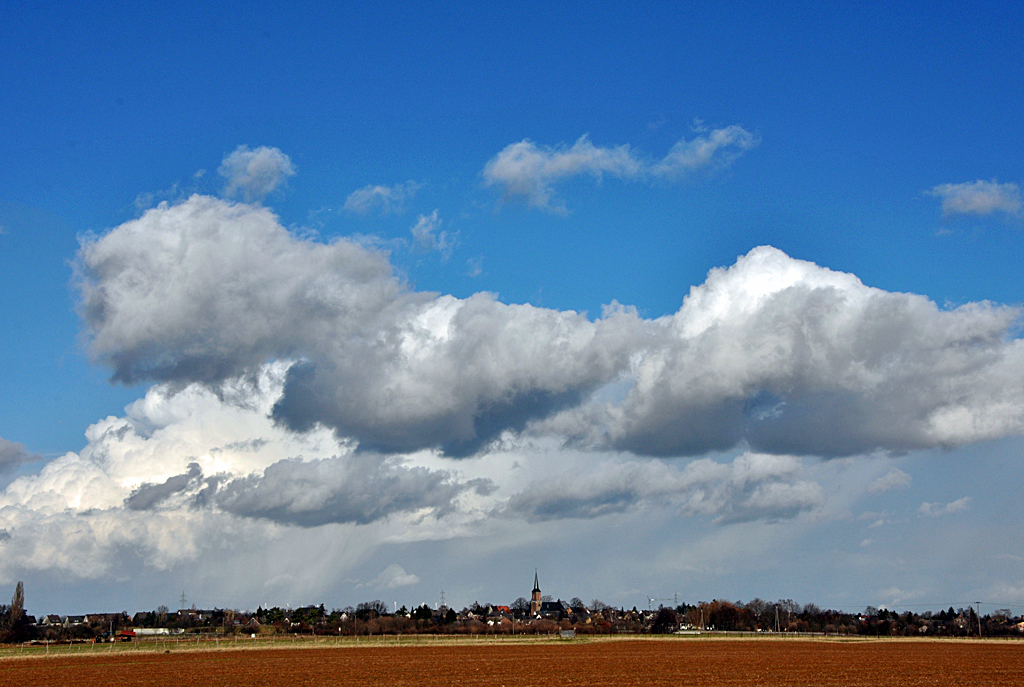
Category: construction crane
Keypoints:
(674, 600)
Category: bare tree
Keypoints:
(597, 606)
(520, 604)
(371, 609)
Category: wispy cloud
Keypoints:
(13, 454)
(386, 199)
(530, 171)
(894, 479)
(710, 148)
(427, 236)
(979, 198)
(934, 510)
(254, 174)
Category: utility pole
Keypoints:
(979, 618)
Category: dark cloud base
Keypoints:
(354, 489)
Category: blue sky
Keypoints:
(386, 168)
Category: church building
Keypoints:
(535, 598)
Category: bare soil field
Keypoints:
(676, 662)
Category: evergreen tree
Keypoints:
(18, 604)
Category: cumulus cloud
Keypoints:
(393, 577)
(978, 198)
(785, 355)
(417, 370)
(427, 237)
(163, 445)
(386, 199)
(752, 487)
(191, 470)
(455, 374)
(206, 290)
(246, 478)
(797, 359)
(934, 510)
(13, 454)
(529, 171)
(254, 174)
(894, 479)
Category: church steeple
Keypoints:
(535, 598)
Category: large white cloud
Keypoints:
(186, 470)
(207, 290)
(530, 171)
(785, 355)
(794, 358)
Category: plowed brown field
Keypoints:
(621, 663)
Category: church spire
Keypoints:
(535, 598)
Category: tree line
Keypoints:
(375, 618)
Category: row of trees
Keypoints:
(373, 617)
(787, 616)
